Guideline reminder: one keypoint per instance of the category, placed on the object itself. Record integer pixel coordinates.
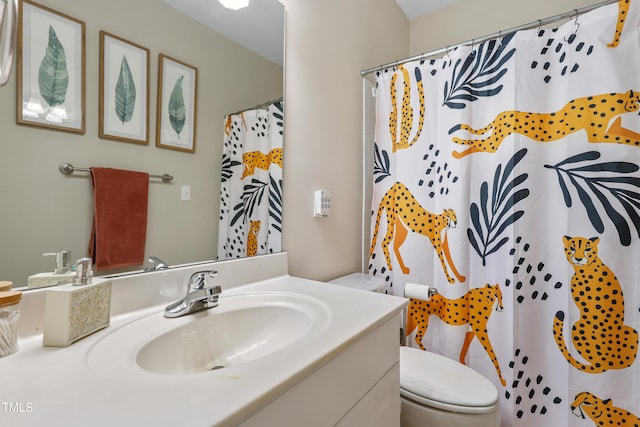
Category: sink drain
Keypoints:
(216, 367)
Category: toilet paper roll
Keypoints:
(417, 291)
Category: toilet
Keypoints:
(436, 391)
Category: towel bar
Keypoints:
(68, 169)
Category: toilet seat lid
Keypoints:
(442, 380)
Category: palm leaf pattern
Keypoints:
(607, 184)
(479, 74)
(125, 92)
(491, 218)
(275, 204)
(251, 198)
(279, 116)
(381, 167)
(227, 167)
(53, 76)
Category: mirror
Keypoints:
(42, 210)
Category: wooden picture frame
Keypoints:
(124, 90)
(177, 105)
(51, 84)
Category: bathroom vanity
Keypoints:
(277, 351)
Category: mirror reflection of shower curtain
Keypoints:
(251, 185)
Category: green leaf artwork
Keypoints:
(53, 77)
(125, 92)
(176, 107)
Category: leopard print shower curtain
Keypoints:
(251, 188)
(506, 175)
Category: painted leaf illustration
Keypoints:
(53, 77)
(125, 92)
(491, 218)
(480, 73)
(604, 187)
(176, 107)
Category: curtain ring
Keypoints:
(447, 52)
(539, 24)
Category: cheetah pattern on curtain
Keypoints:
(513, 165)
(251, 188)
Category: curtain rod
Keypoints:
(264, 104)
(68, 169)
(535, 24)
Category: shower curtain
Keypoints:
(251, 186)
(506, 176)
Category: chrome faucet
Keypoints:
(199, 295)
(158, 264)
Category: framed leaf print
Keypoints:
(51, 69)
(124, 90)
(177, 99)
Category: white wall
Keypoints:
(328, 43)
(42, 210)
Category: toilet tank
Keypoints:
(362, 281)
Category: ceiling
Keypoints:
(260, 27)
(415, 8)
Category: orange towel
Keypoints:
(119, 231)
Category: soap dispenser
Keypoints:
(73, 311)
(61, 274)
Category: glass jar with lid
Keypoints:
(9, 317)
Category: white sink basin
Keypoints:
(244, 328)
(226, 338)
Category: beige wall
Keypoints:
(468, 19)
(328, 43)
(42, 210)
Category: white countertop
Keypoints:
(57, 387)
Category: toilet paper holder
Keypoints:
(414, 291)
(419, 291)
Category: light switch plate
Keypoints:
(185, 192)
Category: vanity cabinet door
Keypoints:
(359, 387)
(380, 407)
